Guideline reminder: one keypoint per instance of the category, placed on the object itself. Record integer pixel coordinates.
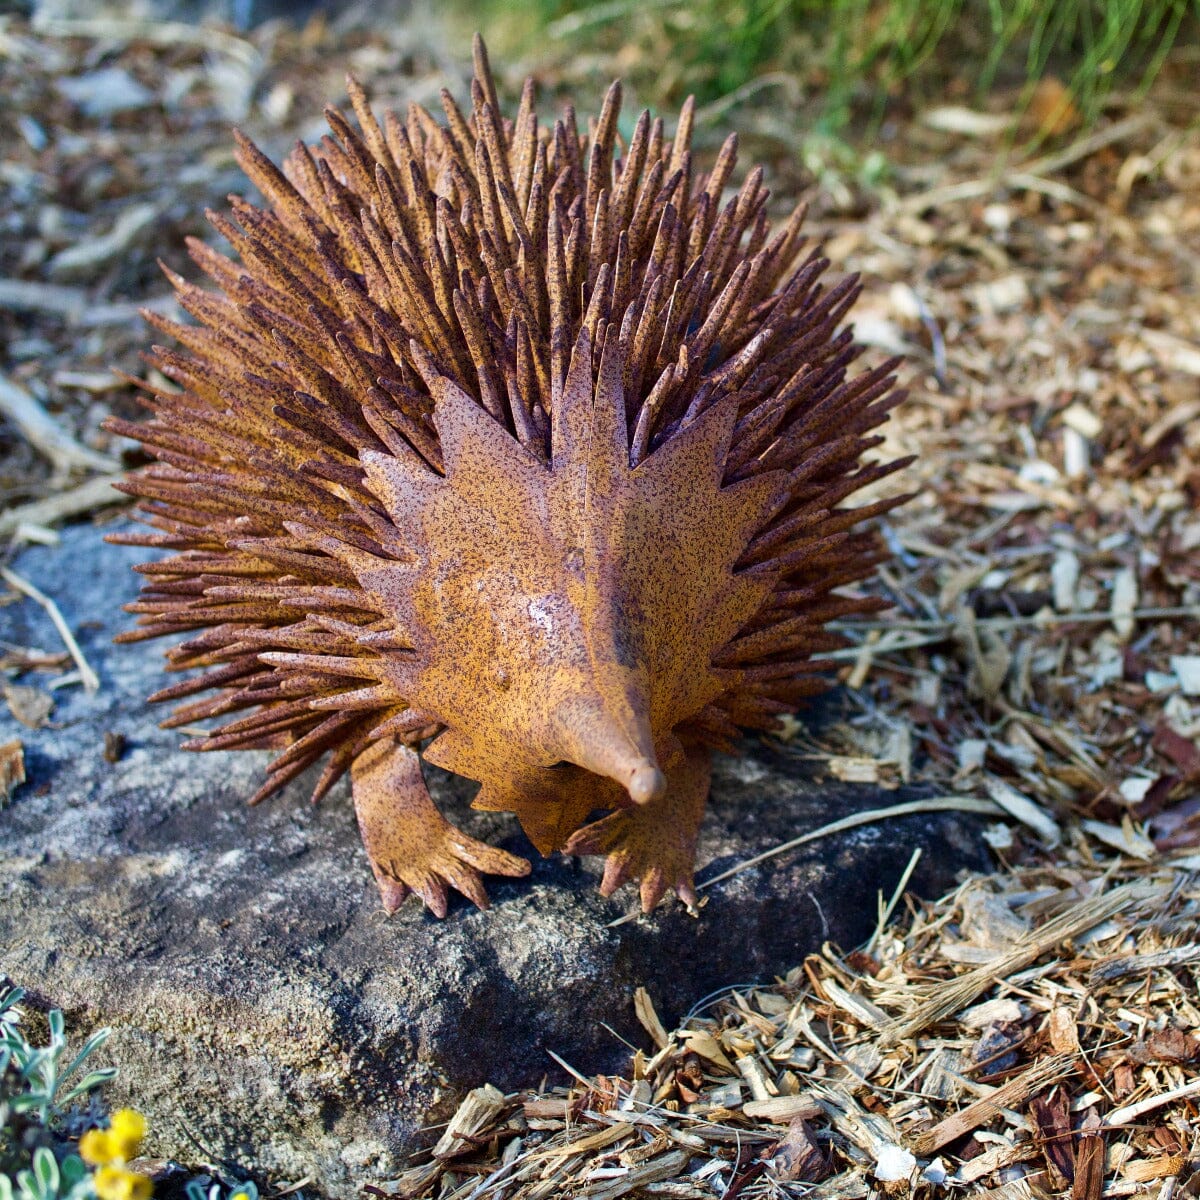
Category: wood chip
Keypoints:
(1088, 1183)
(1145, 1169)
(30, 705)
(45, 434)
(1016, 1091)
(73, 502)
(781, 1110)
(476, 1113)
(12, 769)
(637, 1177)
(643, 1008)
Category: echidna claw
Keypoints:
(392, 892)
(653, 843)
(410, 845)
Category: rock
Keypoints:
(262, 1003)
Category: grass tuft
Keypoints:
(851, 58)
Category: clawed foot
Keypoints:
(656, 842)
(456, 860)
(636, 848)
(411, 846)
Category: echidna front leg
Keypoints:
(654, 842)
(412, 847)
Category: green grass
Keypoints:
(849, 59)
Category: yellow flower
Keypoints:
(126, 1131)
(95, 1147)
(117, 1143)
(116, 1183)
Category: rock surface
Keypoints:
(262, 1002)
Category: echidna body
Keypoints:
(501, 449)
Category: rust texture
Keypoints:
(514, 449)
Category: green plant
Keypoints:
(850, 56)
(45, 1103)
(197, 1189)
(1106, 38)
(39, 1070)
(48, 1179)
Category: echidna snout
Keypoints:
(613, 742)
(647, 783)
(513, 449)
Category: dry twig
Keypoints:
(45, 434)
(91, 681)
(95, 493)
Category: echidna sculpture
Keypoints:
(514, 450)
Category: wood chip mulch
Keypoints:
(1035, 1033)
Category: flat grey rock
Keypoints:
(264, 1006)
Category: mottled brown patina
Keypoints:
(500, 449)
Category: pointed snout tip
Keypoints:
(646, 783)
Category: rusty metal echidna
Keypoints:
(509, 450)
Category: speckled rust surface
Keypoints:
(500, 448)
